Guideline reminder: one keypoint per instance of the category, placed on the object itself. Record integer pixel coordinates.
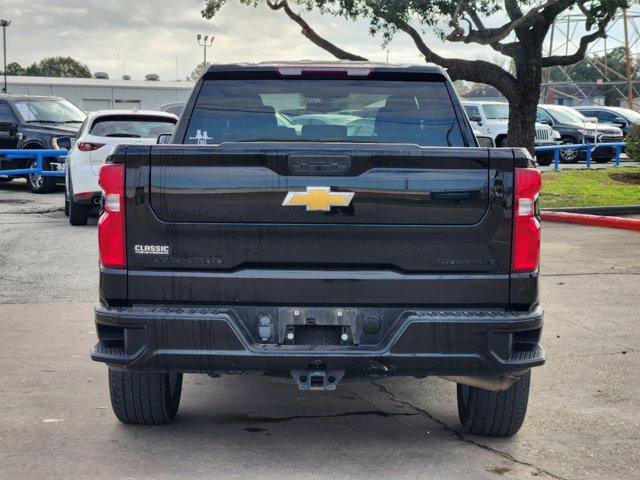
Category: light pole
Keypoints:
(4, 24)
(205, 42)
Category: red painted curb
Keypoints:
(592, 220)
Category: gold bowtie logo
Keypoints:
(318, 199)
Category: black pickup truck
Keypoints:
(321, 252)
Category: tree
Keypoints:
(593, 68)
(58, 67)
(520, 38)
(611, 66)
(14, 68)
(197, 72)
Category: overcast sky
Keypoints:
(149, 35)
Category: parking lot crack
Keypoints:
(459, 436)
(377, 413)
(35, 212)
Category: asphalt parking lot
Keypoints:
(56, 420)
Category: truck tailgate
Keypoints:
(208, 224)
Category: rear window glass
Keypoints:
(419, 113)
(132, 127)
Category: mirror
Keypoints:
(164, 138)
(8, 127)
(475, 118)
(545, 121)
(62, 143)
(483, 141)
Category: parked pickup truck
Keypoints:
(492, 119)
(37, 123)
(321, 254)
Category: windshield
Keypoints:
(630, 115)
(496, 111)
(324, 110)
(55, 110)
(133, 127)
(566, 115)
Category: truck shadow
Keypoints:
(261, 420)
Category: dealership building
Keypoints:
(91, 94)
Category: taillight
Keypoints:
(526, 227)
(89, 147)
(111, 234)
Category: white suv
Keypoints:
(100, 132)
(492, 119)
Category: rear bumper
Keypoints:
(88, 198)
(191, 339)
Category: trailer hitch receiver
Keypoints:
(317, 379)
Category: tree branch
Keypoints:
(487, 36)
(311, 34)
(559, 60)
(508, 49)
(513, 9)
(471, 70)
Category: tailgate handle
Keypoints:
(319, 164)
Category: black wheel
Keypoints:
(145, 398)
(495, 414)
(569, 155)
(66, 207)
(544, 159)
(38, 183)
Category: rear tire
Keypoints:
(145, 398)
(78, 213)
(603, 160)
(38, 183)
(495, 414)
(544, 159)
(569, 155)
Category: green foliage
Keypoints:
(599, 67)
(595, 67)
(632, 148)
(588, 188)
(14, 68)
(197, 72)
(58, 67)
(432, 15)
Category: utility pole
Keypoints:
(627, 54)
(205, 42)
(4, 24)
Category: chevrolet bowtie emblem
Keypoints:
(318, 199)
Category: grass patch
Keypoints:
(588, 188)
